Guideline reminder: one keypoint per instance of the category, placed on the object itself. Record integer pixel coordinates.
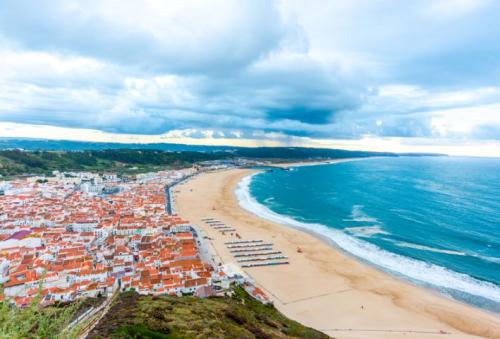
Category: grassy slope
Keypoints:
(240, 316)
(130, 161)
(35, 321)
(14, 162)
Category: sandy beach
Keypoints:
(322, 287)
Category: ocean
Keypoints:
(434, 221)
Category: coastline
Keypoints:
(317, 162)
(323, 287)
(437, 279)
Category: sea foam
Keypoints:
(417, 271)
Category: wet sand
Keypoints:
(322, 287)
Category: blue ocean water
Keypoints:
(432, 220)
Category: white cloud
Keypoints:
(446, 9)
(462, 122)
(484, 148)
(29, 65)
(157, 35)
(245, 69)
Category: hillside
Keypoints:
(23, 162)
(239, 316)
(17, 162)
(67, 145)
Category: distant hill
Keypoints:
(250, 152)
(122, 161)
(129, 161)
(66, 145)
(239, 316)
(30, 156)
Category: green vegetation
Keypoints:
(37, 322)
(131, 161)
(123, 161)
(239, 316)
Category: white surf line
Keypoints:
(412, 270)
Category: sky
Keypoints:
(383, 75)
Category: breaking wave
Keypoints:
(428, 274)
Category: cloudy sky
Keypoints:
(358, 74)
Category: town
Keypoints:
(75, 235)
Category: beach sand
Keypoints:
(322, 287)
